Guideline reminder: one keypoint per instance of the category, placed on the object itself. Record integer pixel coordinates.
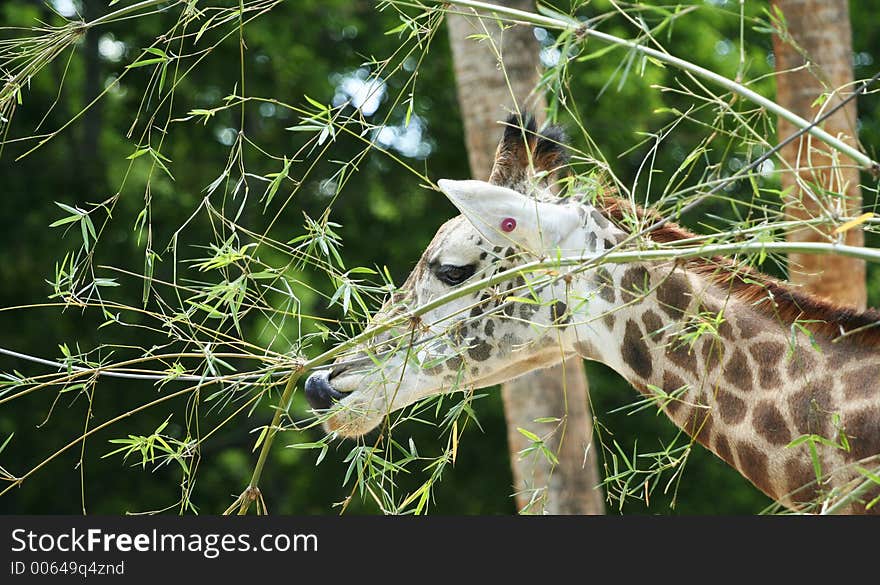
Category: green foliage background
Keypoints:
(302, 48)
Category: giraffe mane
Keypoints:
(524, 151)
(764, 293)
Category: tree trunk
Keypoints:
(820, 48)
(570, 487)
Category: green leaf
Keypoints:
(316, 103)
(69, 208)
(76, 215)
(65, 220)
(263, 274)
(278, 178)
(397, 29)
(306, 128)
(144, 63)
(156, 51)
(514, 299)
(549, 455)
(208, 114)
(819, 100)
(307, 446)
(529, 435)
(799, 441)
(138, 153)
(260, 438)
(162, 77)
(6, 442)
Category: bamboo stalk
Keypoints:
(252, 492)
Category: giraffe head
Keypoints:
(478, 339)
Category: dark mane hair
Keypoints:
(766, 294)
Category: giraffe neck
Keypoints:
(740, 382)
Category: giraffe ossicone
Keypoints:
(722, 348)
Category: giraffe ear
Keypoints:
(504, 216)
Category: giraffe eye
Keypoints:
(452, 275)
(508, 224)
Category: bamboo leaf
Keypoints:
(145, 62)
(845, 227)
(528, 435)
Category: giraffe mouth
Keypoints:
(320, 393)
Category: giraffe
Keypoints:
(780, 385)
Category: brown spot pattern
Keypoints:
(558, 313)
(767, 356)
(754, 288)
(768, 423)
(801, 481)
(681, 355)
(585, 349)
(480, 351)
(635, 351)
(862, 383)
(799, 363)
(725, 329)
(749, 326)
(863, 430)
(837, 358)
(811, 407)
(671, 383)
(698, 422)
(674, 295)
(737, 371)
(454, 363)
(722, 449)
(653, 324)
(605, 283)
(731, 408)
(753, 464)
(634, 283)
(713, 353)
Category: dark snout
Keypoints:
(319, 392)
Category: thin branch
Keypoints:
(582, 30)
(110, 373)
(582, 263)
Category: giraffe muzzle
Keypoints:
(320, 394)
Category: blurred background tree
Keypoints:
(329, 50)
(497, 72)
